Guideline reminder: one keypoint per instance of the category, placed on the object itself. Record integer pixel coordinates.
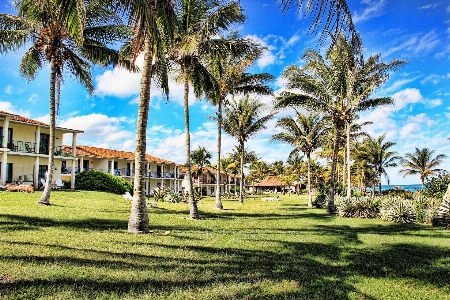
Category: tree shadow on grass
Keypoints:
(16, 222)
(315, 270)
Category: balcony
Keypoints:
(30, 147)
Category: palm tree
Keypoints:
(197, 40)
(232, 78)
(336, 14)
(377, 154)
(359, 79)
(200, 158)
(69, 38)
(243, 119)
(306, 134)
(295, 165)
(421, 162)
(153, 22)
(226, 165)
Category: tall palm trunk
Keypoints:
(45, 197)
(139, 222)
(308, 156)
(241, 183)
(331, 208)
(219, 146)
(349, 188)
(193, 210)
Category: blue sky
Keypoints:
(418, 31)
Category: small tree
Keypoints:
(421, 162)
(243, 119)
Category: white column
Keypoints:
(162, 175)
(112, 166)
(74, 144)
(37, 139)
(72, 174)
(36, 172)
(3, 170)
(74, 155)
(81, 164)
(5, 132)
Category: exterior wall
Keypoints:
(27, 133)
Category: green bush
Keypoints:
(436, 186)
(399, 193)
(101, 181)
(358, 207)
(420, 209)
(66, 184)
(322, 194)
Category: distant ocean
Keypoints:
(406, 187)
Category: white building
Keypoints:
(24, 148)
(159, 172)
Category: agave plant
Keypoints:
(398, 210)
(357, 207)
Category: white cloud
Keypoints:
(433, 78)
(8, 89)
(100, 130)
(9, 107)
(435, 102)
(118, 82)
(428, 6)
(44, 119)
(375, 9)
(34, 98)
(398, 84)
(427, 43)
(405, 45)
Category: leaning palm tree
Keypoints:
(69, 37)
(200, 158)
(232, 79)
(198, 38)
(243, 119)
(306, 134)
(152, 22)
(377, 154)
(421, 162)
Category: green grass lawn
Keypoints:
(79, 248)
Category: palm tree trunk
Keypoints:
(331, 208)
(45, 197)
(219, 146)
(241, 183)
(380, 183)
(349, 188)
(308, 156)
(193, 210)
(139, 222)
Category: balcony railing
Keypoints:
(30, 147)
(122, 172)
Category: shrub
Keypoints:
(95, 180)
(397, 209)
(399, 193)
(358, 207)
(436, 186)
(322, 194)
(66, 184)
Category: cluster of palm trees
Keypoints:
(186, 36)
(337, 86)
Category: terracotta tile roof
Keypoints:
(269, 181)
(206, 169)
(21, 119)
(108, 153)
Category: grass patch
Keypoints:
(78, 248)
